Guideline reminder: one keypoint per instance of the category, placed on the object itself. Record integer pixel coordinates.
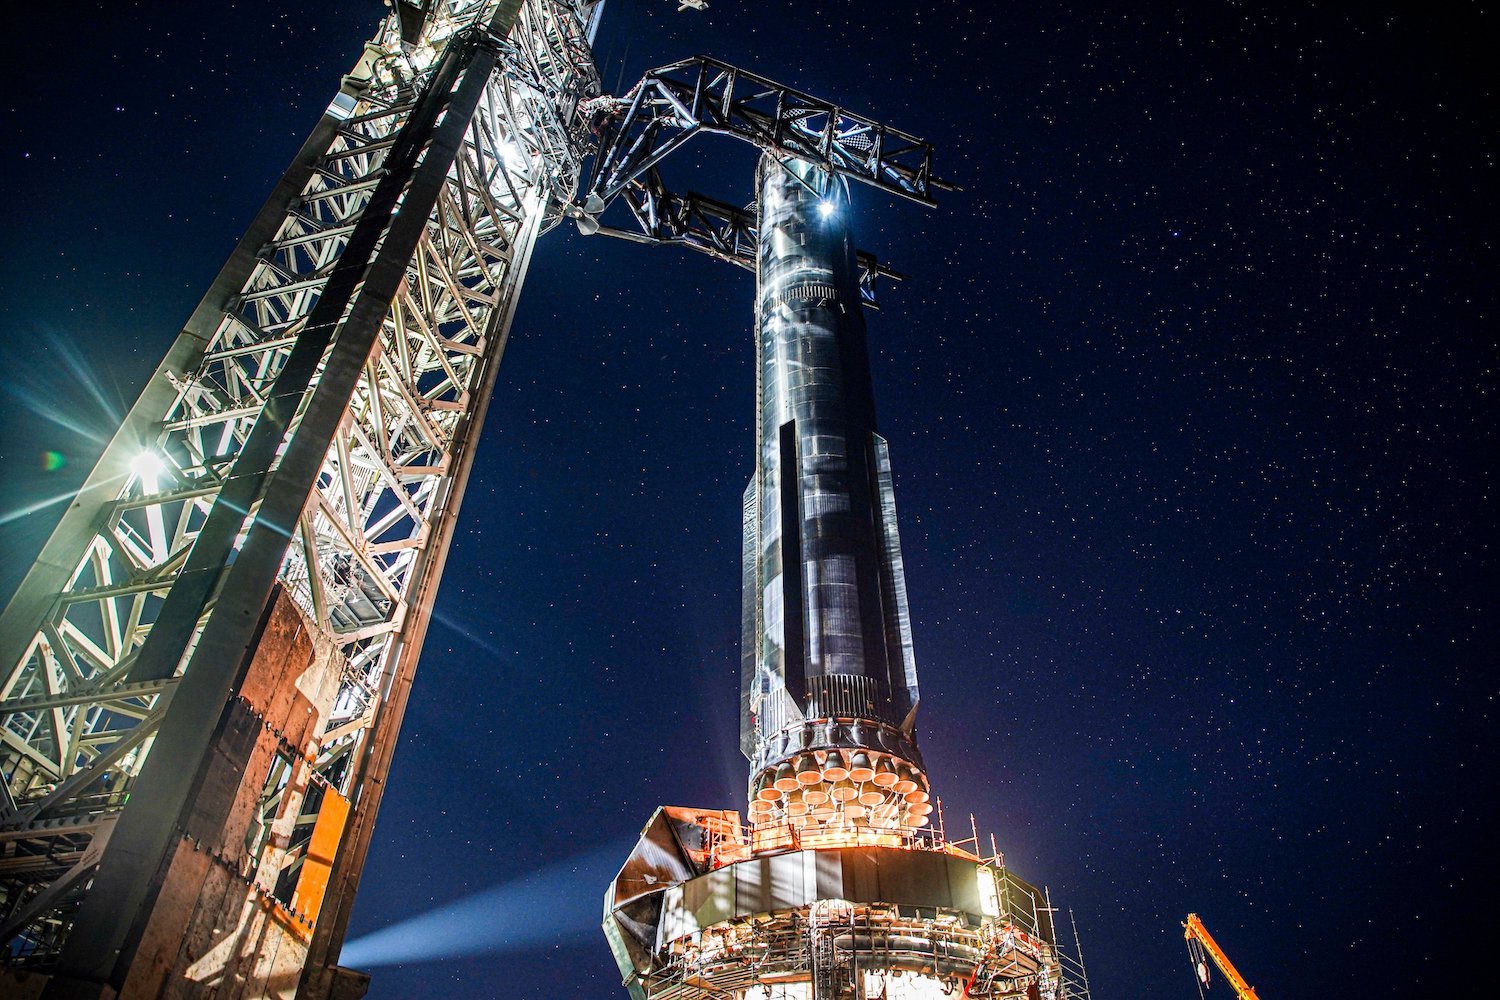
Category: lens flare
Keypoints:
(147, 466)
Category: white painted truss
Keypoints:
(77, 719)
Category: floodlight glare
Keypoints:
(146, 466)
(513, 156)
(825, 209)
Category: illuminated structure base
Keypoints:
(706, 908)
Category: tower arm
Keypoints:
(1193, 930)
(673, 103)
(713, 227)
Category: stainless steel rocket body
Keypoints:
(842, 885)
(827, 657)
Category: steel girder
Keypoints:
(673, 103)
(313, 424)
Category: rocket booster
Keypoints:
(829, 681)
(836, 892)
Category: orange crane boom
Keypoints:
(1194, 931)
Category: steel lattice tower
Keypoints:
(202, 677)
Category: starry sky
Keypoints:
(1188, 397)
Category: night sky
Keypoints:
(1188, 397)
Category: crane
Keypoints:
(1200, 942)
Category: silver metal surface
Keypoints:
(836, 888)
(828, 625)
(826, 635)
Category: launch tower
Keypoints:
(203, 676)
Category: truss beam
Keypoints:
(673, 103)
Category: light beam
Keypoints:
(553, 904)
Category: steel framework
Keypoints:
(310, 430)
(1201, 948)
(202, 677)
(715, 228)
(678, 101)
(673, 103)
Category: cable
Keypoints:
(1195, 962)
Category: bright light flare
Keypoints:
(513, 155)
(825, 209)
(147, 467)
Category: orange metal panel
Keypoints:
(328, 831)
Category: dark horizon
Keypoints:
(1187, 399)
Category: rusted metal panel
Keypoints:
(216, 929)
(210, 944)
(19, 984)
(157, 951)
